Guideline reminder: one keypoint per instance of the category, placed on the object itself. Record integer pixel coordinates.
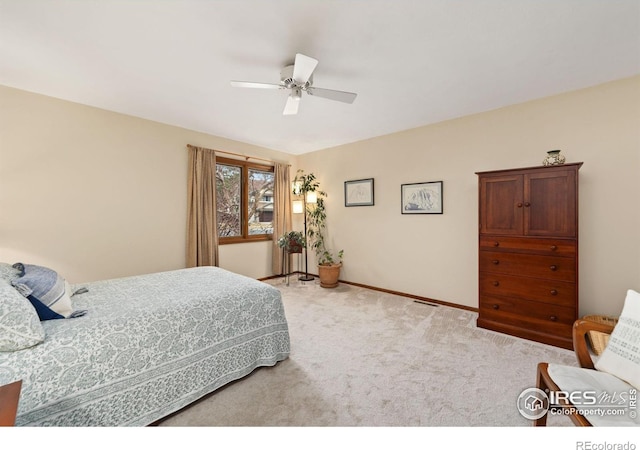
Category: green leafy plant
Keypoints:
(291, 240)
(316, 217)
(328, 259)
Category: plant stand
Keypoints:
(286, 261)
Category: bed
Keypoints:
(147, 346)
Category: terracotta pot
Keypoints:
(329, 275)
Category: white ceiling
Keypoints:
(411, 62)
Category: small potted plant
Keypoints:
(292, 241)
(329, 268)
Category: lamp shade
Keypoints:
(296, 187)
(312, 197)
(298, 206)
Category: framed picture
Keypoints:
(422, 198)
(358, 192)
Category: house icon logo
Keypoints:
(533, 403)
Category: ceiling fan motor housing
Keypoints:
(286, 76)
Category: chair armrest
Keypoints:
(580, 346)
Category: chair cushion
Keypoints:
(621, 356)
(609, 391)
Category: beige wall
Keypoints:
(97, 194)
(436, 255)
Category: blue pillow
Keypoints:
(44, 312)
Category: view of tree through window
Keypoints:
(228, 200)
(260, 202)
(244, 200)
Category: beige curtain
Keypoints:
(202, 229)
(281, 212)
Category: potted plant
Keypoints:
(316, 216)
(329, 268)
(292, 241)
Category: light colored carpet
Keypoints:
(365, 358)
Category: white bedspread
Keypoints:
(148, 346)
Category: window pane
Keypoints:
(260, 202)
(228, 200)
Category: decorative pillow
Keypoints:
(43, 311)
(46, 285)
(20, 326)
(8, 272)
(621, 356)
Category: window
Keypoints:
(244, 201)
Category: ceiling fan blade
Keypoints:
(303, 68)
(341, 96)
(251, 84)
(293, 103)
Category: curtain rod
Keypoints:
(247, 158)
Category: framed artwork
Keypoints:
(422, 198)
(358, 192)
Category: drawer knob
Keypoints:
(496, 244)
(496, 306)
(519, 205)
(527, 204)
(554, 248)
(553, 292)
(496, 283)
(553, 318)
(495, 261)
(553, 268)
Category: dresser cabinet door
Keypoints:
(550, 204)
(501, 205)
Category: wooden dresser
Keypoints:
(528, 252)
(9, 400)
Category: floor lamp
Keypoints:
(300, 206)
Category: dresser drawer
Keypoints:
(518, 310)
(561, 293)
(554, 333)
(538, 266)
(560, 247)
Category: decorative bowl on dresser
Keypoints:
(528, 252)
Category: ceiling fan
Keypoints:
(298, 78)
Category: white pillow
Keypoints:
(20, 325)
(8, 272)
(621, 356)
